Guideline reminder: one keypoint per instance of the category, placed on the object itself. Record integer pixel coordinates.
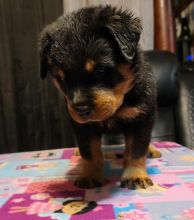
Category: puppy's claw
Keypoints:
(87, 183)
(136, 183)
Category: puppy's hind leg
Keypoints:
(153, 152)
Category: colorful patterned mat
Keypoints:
(39, 185)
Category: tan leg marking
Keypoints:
(135, 175)
(92, 170)
(153, 152)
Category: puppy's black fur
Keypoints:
(93, 58)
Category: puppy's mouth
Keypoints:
(93, 116)
(105, 104)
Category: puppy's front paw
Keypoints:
(88, 182)
(136, 182)
(135, 178)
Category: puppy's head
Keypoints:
(89, 55)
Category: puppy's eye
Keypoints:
(101, 71)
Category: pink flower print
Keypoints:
(22, 180)
(140, 206)
(120, 205)
(18, 200)
(191, 186)
(4, 195)
(133, 215)
(5, 156)
(189, 158)
(169, 143)
(189, 213)
(40, 196)
(26, 156)
(165, 144)
(98, 208)
(41, 207)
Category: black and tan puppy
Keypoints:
(93, 58)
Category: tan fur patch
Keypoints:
(105, 105)
(57, 85)
(133, 167)
(77, 153)
(74, 115)
(90, 64)
(134, 172)
(59, 74)
(105, 102)
(153, 152)
(130, 112)
(122, 88)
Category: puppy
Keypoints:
(93, 58)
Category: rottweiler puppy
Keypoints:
(93, 58)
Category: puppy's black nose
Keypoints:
(82, 110)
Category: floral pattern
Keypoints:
(39, 186)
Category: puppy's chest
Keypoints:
(122, 119)
(113, 125)
(110, 125)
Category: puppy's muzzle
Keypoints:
(80, 103)
(83, 110)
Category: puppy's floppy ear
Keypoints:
(44, 48)
(126, 30)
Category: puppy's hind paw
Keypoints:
(153, 152)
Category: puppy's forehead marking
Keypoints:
(89, 65)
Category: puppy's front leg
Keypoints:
(135, 175)
(92, 159)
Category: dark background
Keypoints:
(32, 114)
